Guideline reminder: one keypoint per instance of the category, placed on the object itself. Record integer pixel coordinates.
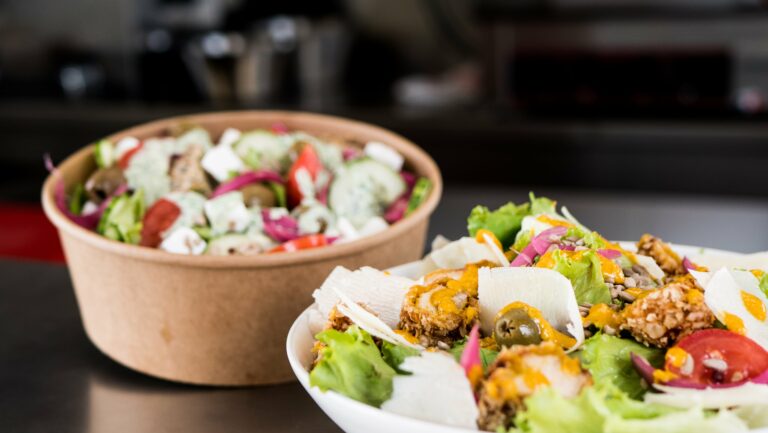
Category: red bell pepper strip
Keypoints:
(309, 161)
(302, 243)
(126, 158)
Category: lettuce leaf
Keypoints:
(608, 360)
(764, 283)
(504, 222)
(487, 356)
(122, 219)
(522, 240)
(351, 364)
(605, 409)
(592, 240)
(395, 354)
(586, 276)
(540, 205)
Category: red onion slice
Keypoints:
(409, 179)
(688, 264)
(396, 210)
(539, 245)
(609, 254)
(282, 229)
(90, 220)
(470, 356)
(247, 178)
(350, 153)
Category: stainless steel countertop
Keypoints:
(53, 380)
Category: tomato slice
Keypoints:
(309, 161)
(158, 219)
(302, 243)
(126, 158)
(719, 357)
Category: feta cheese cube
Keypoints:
(229, 137)
(227, 213)
(384, 154)
(125, 145)
(221, 161)
(184, 240)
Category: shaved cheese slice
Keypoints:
(458, 254)
(755, 415)
(651, 266)
(722, 259)
(724, 295)
(380, 292)
(544, 289)
(489, 242)
(710, 398)
(702, 278)
(437, 390)
(439, 242)
(370, 323)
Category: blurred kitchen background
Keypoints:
(644, 96)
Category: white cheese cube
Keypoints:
(221, 161)
(229, 137)
(227, 213)
(184, 240)
(384, 154)
(125, 145)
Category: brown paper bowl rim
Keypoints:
(417, 158)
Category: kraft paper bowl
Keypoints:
(219, 320)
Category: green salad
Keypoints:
(250, 192)
(536, 323)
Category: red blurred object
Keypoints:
(25, 233)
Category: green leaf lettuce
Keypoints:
(605, 409)
(351, 364)
(608, 360)
(122, 219)
(586, 276)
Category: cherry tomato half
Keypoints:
(719, 357)
(302, 243)
(309, 161)
(158, 219)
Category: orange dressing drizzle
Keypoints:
(754, 305)
(601, 315)
(734, 323)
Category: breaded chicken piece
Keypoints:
(444, 308)
(662, 254)
(665, 315)
(517, 373)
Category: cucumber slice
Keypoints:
(363, 190)
(104, 153)
(419, 194)
(262, 149)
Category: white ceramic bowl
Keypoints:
(355, 417)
